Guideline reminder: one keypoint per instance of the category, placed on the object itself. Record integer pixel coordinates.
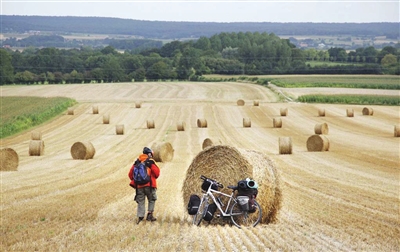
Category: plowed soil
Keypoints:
(344, 199)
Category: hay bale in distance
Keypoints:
(350, 112)
(36, 135)
(321, 112)
(163, 152)
(82, 150)
(95, 109)
(321, 128)
(368, 111)
(150, 124)
(106, 119)
(36, 148)
(216, 162)
(9, 159)
(397, 130)
(256, 103)
(277, 122)
(246, 122)
(119, 129)
(284, 111)
(181, 126)
(240, 102)
(285, 145)
(318, 143)
(202, 123)
(207, 143)
(70, 111)
(138, 104)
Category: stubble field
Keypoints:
(345, 199)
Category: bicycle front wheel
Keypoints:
(244, 218)
(198, 217)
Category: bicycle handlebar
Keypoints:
(212, 181)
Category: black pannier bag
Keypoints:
(206, 185)
(193, 205)
(210, 212)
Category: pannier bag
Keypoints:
(206, 185)
(243, 202)
(210, 212)
(193, 205)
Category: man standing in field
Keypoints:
(145, 190)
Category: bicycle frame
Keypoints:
(210, 193)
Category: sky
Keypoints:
(317, 11)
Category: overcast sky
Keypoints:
(339, 11)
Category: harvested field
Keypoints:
(344, 199)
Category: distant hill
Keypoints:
(178, 30)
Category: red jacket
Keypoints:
(155, 171)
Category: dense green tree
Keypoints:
(6, 68)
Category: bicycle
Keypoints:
(239, 215)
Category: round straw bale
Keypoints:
(36, 148)
(82, 150)
(350, 112)
(181, 126)
(207, 143)
(202, 123)
(150, 124)
(138, 104)
(317, 143)
(240, 102)
(229, 165)
(163, 152)
(246, 122)
(284, 111)
(396, 130)
(321, 112)
(285, 145)
(8, 159)
(70, 111)
(95, 109)
(119, 129)
(106, 119)
(256, 103)
(277, 122)
(367, 111)
(36, 135)
(321, 128)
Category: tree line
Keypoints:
(225, 53)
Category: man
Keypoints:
(147, 190)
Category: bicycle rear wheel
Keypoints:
(243, 218)
(198, 217)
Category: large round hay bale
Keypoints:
(106, 119)
(367, 111)
(284, 111)
(163, 152)
(228, 165)
(246, 122)
(321, 112)
(70, 111)
(9, 159)
(277, 122)
(119, 129)
(82, 150)
(95, 109)
(256, 103)
(350, 112)
(150, 124)
(36, 135)
(396, 130)
(202, 123)
(318, 143)
(321, 128)
(240, 102)
(285, 145)
(181, 126)
(36, 148)
(138, 104)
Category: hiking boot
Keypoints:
(150, 217)
(139, 220)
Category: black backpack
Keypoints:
(210, 212)
(193, 205)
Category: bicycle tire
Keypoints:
(243, 218)
(198, 217)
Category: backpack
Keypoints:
(210, 212)
(193, 205)
(141, 173)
